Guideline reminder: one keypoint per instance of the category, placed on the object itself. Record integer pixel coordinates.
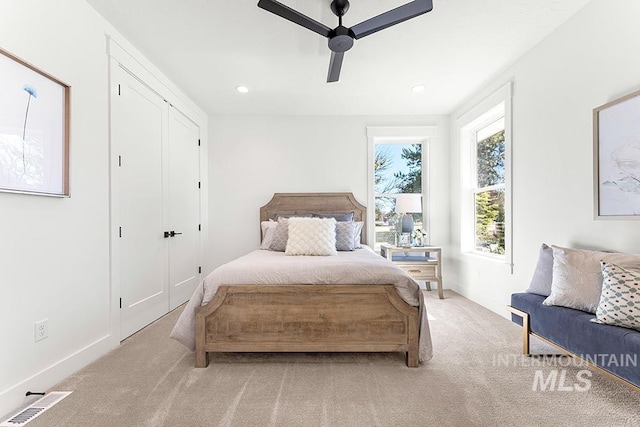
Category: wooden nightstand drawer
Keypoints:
(419, 271)
(423, 263)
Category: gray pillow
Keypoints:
(345, 231)
(277, 216)
(337, 216)
(543, 274)
(280, 236)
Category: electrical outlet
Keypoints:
(42, 329)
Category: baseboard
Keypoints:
(481, 298)
(14, 397)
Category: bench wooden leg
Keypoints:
(526, 338)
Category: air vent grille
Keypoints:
(35, 409)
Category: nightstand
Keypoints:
(423, 263)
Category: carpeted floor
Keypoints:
(476, 378)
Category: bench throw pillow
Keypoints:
(543, 275)
(311, 236)
(577, 277)
(620, 298)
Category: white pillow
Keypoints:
(577, 277)
(356, 235)
(267, 233)
(311, 236)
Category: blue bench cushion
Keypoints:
(613, 348)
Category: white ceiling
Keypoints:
(208, 47)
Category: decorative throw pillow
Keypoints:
(620, 298)
(577, 278)
(543, 275)
(337, 216)
(311, 236)
(277, 216)
(280, 235)
(267, 237)
(356, 234)
(345, 239)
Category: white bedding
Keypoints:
(260, 267)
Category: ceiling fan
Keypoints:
(341, 38)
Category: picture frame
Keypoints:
(404, 240)
(34, 130)
(616, 158)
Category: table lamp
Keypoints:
(407, 204)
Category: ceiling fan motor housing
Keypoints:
(340, 40)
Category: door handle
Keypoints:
(173, 234)
(170, 234)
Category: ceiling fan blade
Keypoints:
(392, 17)
(335, 64)
(294, 16)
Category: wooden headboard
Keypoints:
(305, 203)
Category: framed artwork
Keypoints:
(34, 130)
(616, 154)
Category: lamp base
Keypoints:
(407, 223)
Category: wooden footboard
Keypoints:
(307, 318)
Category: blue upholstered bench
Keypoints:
(614, 349)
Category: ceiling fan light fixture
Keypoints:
(418, 88)
(242, 89)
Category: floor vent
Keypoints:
(35, 409)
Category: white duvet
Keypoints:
(262, 267)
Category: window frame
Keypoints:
(398, 135)
(493, 108)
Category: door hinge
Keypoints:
(119, 160)
(198, 184)
(118, 89)
(199, 227)
(119, 231)
(199, 269)
(198, 143)
(120, 302)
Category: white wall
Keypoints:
(589, 61)
(54, 252)
(252, 157)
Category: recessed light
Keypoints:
(418, 88)
(242, 89)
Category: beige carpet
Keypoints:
(150, 381)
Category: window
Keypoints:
(397, 177)
(486, 216)
(398, 188)
(489, 188)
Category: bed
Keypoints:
(267, 301)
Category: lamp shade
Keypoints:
(409, 203)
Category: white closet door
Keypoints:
(139, 121)
(183, 206)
